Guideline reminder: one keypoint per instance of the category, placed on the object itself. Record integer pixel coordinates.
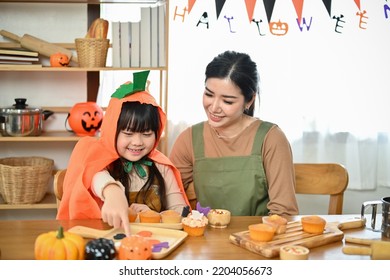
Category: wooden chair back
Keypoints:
(58, 184)
(323, 179)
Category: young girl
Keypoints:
(122, 168)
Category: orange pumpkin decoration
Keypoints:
(278, 28)
(59, 60)
(135, 247)
(85, 118)
(59, 245)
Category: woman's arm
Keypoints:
(279, 169)
(182, 156)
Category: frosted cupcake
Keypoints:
(195, 223)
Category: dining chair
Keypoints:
(58, 184)
(323, 179)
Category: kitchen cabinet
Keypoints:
(87, 80)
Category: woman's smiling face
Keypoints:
(223, 103)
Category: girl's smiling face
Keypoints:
(135, 145)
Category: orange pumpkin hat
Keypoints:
(92, 155)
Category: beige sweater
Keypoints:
(277, 161)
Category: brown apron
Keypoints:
(236, 183)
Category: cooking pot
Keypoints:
(20, 120)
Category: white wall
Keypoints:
(316, 71)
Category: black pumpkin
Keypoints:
(100, 249)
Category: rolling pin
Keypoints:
(378, 250)
(38, 45)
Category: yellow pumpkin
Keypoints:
(59, 245)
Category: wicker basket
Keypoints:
(92, 52)
(24, 180)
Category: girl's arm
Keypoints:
(174, 197)
(115, 210)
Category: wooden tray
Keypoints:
(295, 236)
(178, 226)
(173, 237)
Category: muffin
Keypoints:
(276, 221)
(132, 215)
(195, 223)
(261, 232)
(170, 217)
(293, 252)
(313, 224)
(149, 216)
(219, 218)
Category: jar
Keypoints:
(85, 118)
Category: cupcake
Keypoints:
(170, 217)
(149, 216)
(313, 224)
(195, 223)
(261, 232)
(276, 221)
(218, 218)
(132, 215)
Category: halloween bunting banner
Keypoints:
(303, 20)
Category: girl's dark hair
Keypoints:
(137, 117)
(240, 69)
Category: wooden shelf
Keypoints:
(76, 69)
(48, 202)
(49, 136)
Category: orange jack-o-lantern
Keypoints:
(135, 247)
(59, 60)
(278, 28)
(85, 118)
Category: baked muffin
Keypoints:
(219, 218)
(149, 216)
(170, 217)
(195, 223)
(261, 232)
(313, 224)
(276, 221)
(133, 215)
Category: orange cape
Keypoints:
(92, 155)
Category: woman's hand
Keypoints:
(115, 208)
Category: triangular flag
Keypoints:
(219, 5)
(298, 5)
(190, 5)
(250, 6)
(269, 7)
(357, 2)
(328, 5)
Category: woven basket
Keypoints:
(92, 52)
(24, 180)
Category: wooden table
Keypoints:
(17, 239)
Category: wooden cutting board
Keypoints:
(173, 237)
(295, 236)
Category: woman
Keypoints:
(234, 160)
(122, 168)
